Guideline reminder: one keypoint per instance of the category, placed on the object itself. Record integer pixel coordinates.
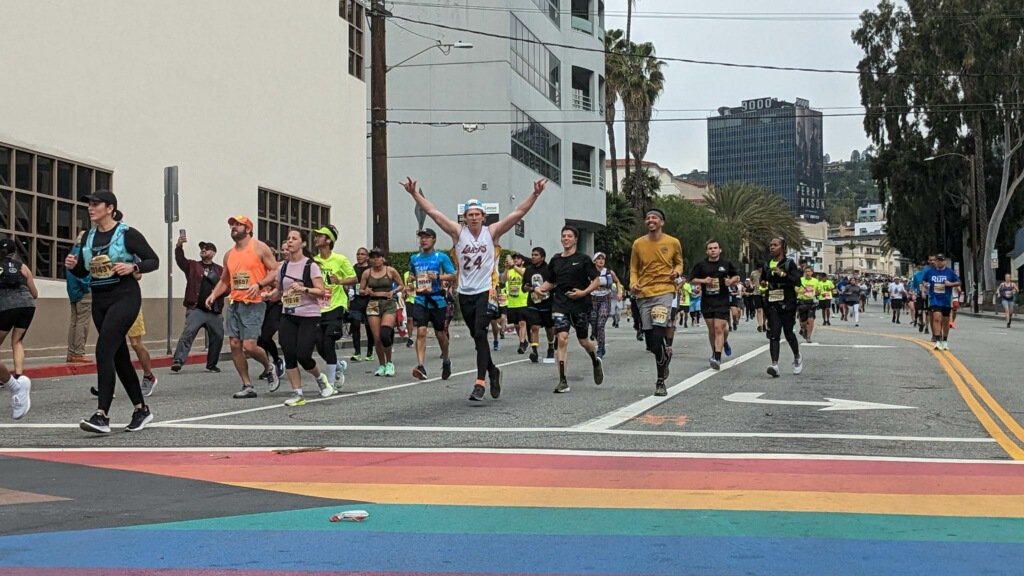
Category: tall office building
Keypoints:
(486, 122)
(775, 144)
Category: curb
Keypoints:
(57, 370)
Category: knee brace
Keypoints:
(387, 336)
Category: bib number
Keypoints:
(502, 299)
(240, 281)
(659, 316)
(513, 290)
(291, 300)
(714, 287)
(101, 267)
(776, 295)
(373, 308)
(939, 288)
(325, 300)
(424, 283)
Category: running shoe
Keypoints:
(798, 365)
(419, 372)
(522, 348)
(600, 352)
(659, 388)
(496, 347)
(245, 392)
(945, 345)
(446, 369)
(478, 393)
(534, 357)
(598, 371)
(339, 374)
(936, 345)
(176, 367)
(773, 370)
(148, 383)
(96, 392)
(550, 358)
(381, 370)
(495, 377)
(295, 399)
(389, 370)
(562, 387)
(279, 367)
(213, 369)
(97, 423)
(21, 398)
(727, 349)
(273, 379)
(355, 358)
(326, 388)
(408, 342)
(369, 357)
(140, 417)
(715, 363)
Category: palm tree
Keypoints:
(616, 239)
(614, 73)
(759, 214)
(629, 17)
(642, 84)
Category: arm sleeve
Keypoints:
(136, 244)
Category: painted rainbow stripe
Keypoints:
(536, 514)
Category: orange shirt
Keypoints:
(244, 268)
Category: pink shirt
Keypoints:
(301, 304)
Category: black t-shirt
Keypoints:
(210, 279)
(716, 295)
(568, 273)
(534, 276)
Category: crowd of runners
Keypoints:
(309, 297)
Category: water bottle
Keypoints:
(76, 250)
(350, 516)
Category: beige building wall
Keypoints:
(239, 95)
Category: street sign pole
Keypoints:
(170, 217)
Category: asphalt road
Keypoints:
(706, 411)
(889, 456)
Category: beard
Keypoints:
(236, 236)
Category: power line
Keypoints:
(696, 61)
(964, 106)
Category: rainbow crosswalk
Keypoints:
(562, 514)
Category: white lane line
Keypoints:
(845, 345)
(312, 400)
(625, 414)
(538, 430)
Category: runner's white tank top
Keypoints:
(476, 261)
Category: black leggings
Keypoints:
(329, 332)
(298, 336)
(113, 313)
(474, 312)
(359, 320)
(781, 320)
(271, 321)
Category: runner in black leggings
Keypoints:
(357, 312)
(114, 253)
(271, 323)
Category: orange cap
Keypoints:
(243, 220)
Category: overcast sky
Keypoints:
(694, 91)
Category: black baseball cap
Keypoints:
(376, 252)
(103, 196)
(427, 232)
(207, 246)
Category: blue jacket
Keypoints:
(77, 287)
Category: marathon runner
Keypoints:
(783, 276)
(474, 246)
(655, 263)
(429, 269)
(538, 310)
(939, 281)
(338, 275)
(715, 277)
(807, 302)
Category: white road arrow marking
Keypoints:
(829, 403)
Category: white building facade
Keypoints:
(487, 122)
(258, 103)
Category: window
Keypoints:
(549, 7)
(535, 146)
(535, 63)
(279, 213)
(41, 206)
(354, 12)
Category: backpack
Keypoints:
(307, 276)
(10, 273)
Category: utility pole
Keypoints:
(379, 125)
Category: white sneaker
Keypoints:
(21, 399)
(798, 365)
(326, 388)
(945, 345)
(339, 374)
(773, 370)
(937, 346)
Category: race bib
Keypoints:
(713, 286)
(424, 283)
(809, 291)
(776, 295)
(240, 281)
(325, 300)
(101, 267)
(659, 316)
(513, 290)
(502, 299)
(939, 288)
(291, 300)
(373, 308)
